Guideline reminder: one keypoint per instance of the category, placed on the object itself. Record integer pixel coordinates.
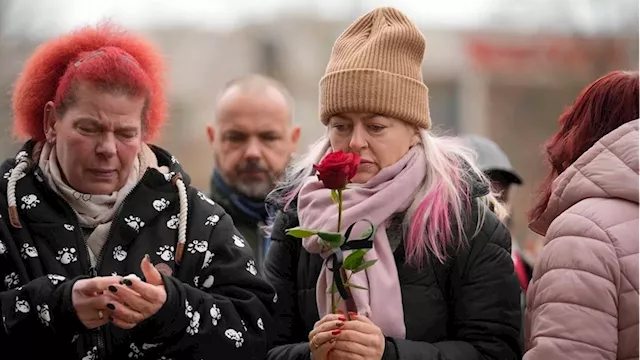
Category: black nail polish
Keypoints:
(127, 282)
(112, 288)
(111, 306)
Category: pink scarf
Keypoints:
(390, 191)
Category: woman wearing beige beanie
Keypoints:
(443, 286)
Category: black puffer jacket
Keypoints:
(217, 305)
(468, 308)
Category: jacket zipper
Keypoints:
(96, 269)
(98, 265)
(95, 335)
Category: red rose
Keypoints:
(337, 168)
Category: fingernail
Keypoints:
(340, 311)
(146, 256)
(127, 282)
(336, 332)
(339, 324)
(111, 306)
(351, 314)
(112, 288)
(342, 318)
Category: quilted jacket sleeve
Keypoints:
(572, 300)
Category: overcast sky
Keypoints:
(55, 16)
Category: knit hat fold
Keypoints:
(376, 67)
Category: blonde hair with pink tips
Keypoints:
(435, 221)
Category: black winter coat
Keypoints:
(217, 306)
(465, 309)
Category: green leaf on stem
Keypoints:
(354, 286)
(333, 289)
(354, 259)
(334, 196)
(371, 230)
(301, 233)
(333, 239)
(365, 265)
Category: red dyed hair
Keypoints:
(105, 56)
(604, 105)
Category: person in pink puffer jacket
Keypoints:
(582, 302)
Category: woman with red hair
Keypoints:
(94, 221)
(582, 302)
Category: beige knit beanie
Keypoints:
(376, 67)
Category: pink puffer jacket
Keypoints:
(582, 302)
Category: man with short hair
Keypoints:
(253, 139)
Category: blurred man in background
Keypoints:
(253, 139)
(496, 165)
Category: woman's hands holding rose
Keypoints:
(335, 338)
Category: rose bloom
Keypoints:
(337, 168)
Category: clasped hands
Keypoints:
(336, 338)
(124, 301)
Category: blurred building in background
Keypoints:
(510, 86)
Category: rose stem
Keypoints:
(334, 308)
(350, 304)
(339, 210)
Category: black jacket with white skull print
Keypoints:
(217, 305)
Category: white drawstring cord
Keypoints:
(16, 174)
(182, 217)
(14, 217)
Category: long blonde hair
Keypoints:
(434, 221)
